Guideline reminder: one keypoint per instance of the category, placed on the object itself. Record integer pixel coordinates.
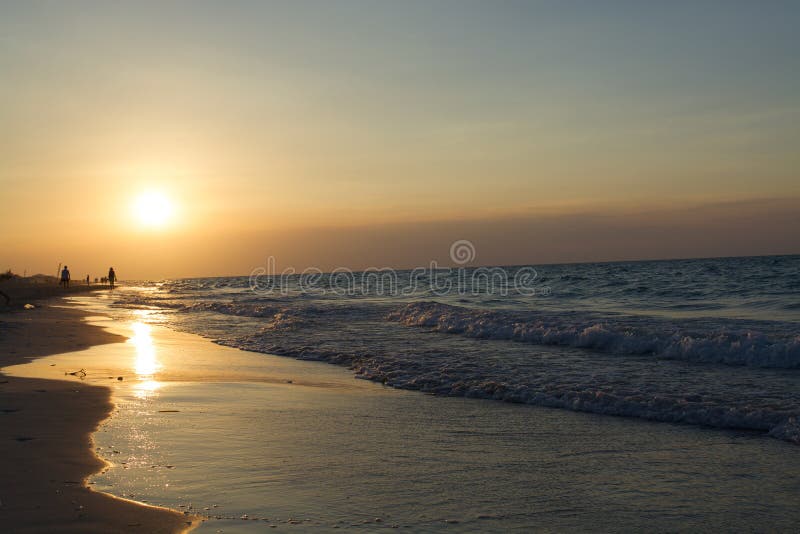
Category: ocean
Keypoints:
(711, 342)
(661, 396)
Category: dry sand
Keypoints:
(15, 293)
(46, 449)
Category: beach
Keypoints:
(46, 445)
(437, 267)
(249, 441)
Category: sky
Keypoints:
(375, 133)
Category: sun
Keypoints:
(153, 209)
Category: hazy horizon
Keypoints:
(186, 139)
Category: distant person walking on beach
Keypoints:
(64, 277)
(112, 277)
(87, 280)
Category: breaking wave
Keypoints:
(599, 391)
(700, 342)
(662, 339)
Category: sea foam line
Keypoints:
(610, 335)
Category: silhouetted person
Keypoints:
(87, 280)
(64, 277)
(112, 277)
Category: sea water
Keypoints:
(713, 342)
(699, 356)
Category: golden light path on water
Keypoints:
(146, 364)
(208, 426)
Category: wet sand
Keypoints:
(252, 441)
(46, 448)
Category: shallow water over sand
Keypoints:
(705, 342)
(213, 427)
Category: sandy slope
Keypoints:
(46, 451)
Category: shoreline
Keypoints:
(296, 442)
(46, 445)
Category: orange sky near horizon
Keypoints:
(375, 134)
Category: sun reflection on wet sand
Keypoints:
(146, 388)
(146, 364)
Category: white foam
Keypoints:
(621, 336)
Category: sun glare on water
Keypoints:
(153, 209)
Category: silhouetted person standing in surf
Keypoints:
(64, 277)
(112, 277)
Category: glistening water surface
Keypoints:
(712, 342)
(303, 445)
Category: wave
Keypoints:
(445, 374)
(658, 361)
(613, 335)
